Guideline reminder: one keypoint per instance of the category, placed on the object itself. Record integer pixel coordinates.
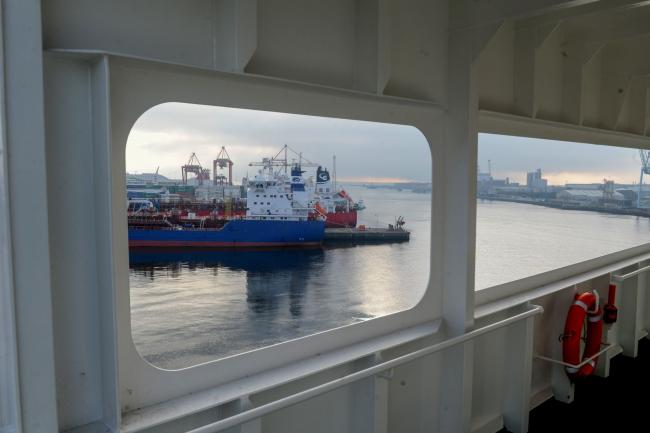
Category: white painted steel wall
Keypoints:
(76, 76)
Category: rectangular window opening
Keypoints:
(214, 275)
(545, 204)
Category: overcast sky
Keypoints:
(561, 162)
(166, 135)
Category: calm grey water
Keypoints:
(193, 307)
(188, 308)
(518, 240)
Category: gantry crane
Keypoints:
(194, 166)
(223, 160)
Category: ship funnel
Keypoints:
(322, 175)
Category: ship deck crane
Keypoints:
(281, 159)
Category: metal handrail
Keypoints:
(630, 274)
(310, 393)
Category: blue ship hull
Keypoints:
(236, 233)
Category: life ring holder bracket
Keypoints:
(607, 346)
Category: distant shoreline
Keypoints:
(562, 206)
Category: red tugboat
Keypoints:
(338, 205)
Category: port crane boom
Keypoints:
(281, 159)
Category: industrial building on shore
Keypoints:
(605, 195)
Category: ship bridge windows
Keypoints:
(546, 204)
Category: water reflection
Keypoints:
(193, 306)
(270, 275)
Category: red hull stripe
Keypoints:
(136, 244)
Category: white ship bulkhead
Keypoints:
(324, 190)
(268, 197)
(78, 74)
(301, 196)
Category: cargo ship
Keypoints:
(209, 205)
(234, 233)
(275, 216)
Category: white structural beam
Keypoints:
(632, 115)
(580, 80)
(418, 50)
(607, 26)
(524, 71)
(100, 102)
(235, 34)
(548, 77)
(576, 69)
(28, 214)
(590, 85)
(469, 13)
(372, 45)
(580, 8)
(500, 123)
(9, 393)
(495, 64)
(458, 178)
(553, 69)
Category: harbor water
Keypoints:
(189, 307)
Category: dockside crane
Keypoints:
(223, 160)
(194, 166)
(645, 169)
(281, 159)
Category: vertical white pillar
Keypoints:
(369, 412)
(9, 394)
(458, 176)
(28, 212)
(102, 170)
(518, 375)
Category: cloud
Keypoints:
(166, 136)
(560, 161)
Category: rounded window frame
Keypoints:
(139, 85)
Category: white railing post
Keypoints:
(563, 388)
(518, 376)
(238, 406)
(645, 316)
(630, 312)
(370, 399)
(462, 345)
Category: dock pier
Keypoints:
(366, 235)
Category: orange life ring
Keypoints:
(585, 305)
